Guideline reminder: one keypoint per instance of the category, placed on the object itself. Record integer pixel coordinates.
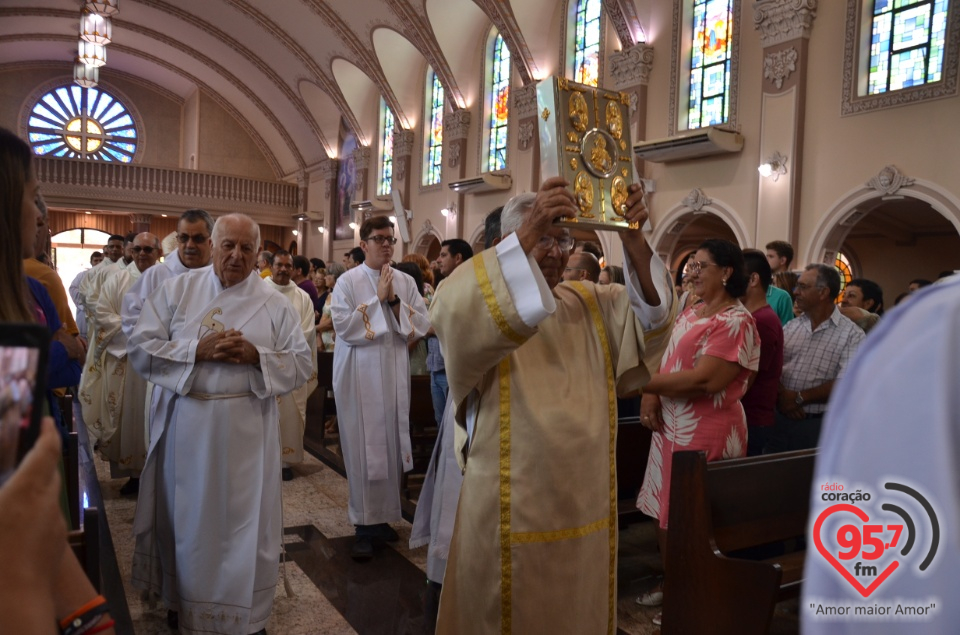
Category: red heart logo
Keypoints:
(862, 515)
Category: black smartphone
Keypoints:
(23, 374)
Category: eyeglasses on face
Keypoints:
(564, 242)
(146, 250)
(197, 239)
(695, 267)
(390, 240)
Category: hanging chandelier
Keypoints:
(95, 28)
(106, 8)
(86, 76)
(92, 54)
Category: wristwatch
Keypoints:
(799, 399)
(394, 302)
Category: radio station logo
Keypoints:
(868, 538)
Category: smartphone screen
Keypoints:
(23, 353)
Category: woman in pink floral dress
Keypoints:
(693, 403)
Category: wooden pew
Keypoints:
(423, 436)
(320, 408)
(633, 447)
(720, 508)
(85, 544)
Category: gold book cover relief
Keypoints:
(585, 138)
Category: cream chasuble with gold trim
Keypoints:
(535, 544)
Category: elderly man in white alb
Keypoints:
(376, 310)
(122, 440)
(208, 528)
(293, 406)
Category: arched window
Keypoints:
(385, 180)
(898, 52)
(709, 102)
(433, 157)
(498, 95)
(842, 263)
(586, 42)
(82, 123)
(906, 44)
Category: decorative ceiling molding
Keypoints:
(623, 15)
(365, 53)
(524, 101)
(209, 90)
(292, 96)
(325, 81)
(421, 35)
(783, 20)
(631, 66)
(697, 200)
(112, 73)
(402, 142)
(502, 17)
(456, 125)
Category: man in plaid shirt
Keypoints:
(816, 348)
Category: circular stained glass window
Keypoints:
(82, 123)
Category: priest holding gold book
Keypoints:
(535, 387)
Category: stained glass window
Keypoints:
(906, 43)
(434, 163)
(586, 49)
(82, 123)
(846, 273)
(385, 182)
(710, 63)
(499, 95)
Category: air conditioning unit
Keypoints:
(483, 183)
(373, 205)
(699, 143)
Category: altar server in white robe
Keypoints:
(192, 252)
(293, 406)
(121, 439)
(90, 392)
(224, 346)
(894, 419)
(376, 310)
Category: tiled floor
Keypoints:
(386, 596)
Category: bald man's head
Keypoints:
(582, 266)
(146, 250)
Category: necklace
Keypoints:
(708, 311)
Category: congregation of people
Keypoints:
(193, 366)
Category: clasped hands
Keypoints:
(385, 286)
(228, 347)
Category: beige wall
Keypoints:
(226, 147)
(893, 266)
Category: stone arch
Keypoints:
(834, 227)
(669, 229)
(428, 240)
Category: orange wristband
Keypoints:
(92, 604)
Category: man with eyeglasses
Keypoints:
(376, 310)
(193, 252)
(534, 369)
(582, 266)
(123, 391)
(817, 346)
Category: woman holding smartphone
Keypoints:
(43, 583)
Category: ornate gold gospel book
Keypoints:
(585, 138)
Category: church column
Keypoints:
(784, 27)
(456, 128)
(402, 156)
(630, 71)
(523, 111)
(141, 223)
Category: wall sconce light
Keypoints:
(775, 166)
(321, 230)
(353, 226)
(450, 211)
(392, 219)
(295, 232)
